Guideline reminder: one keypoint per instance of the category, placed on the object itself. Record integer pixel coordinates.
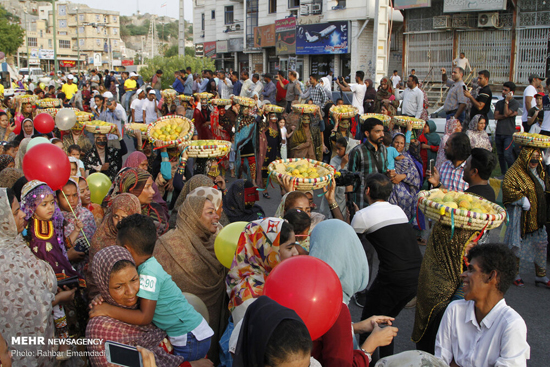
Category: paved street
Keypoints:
(532, 303)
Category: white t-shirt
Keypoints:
(150, 112)
(395, 79)
(359, 91)
(137, 106)
(530, 91)
(283, 136)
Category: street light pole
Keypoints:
(77, 39)
(27, 43)
(56, 65)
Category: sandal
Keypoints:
(421, 241)
(266, 195)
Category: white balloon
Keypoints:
(65, 119)
(36, 141)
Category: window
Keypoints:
(64, 44)
(97, 30)
(229, 15)
(81, 17)
(81, 30)
(62, 9)
(213, 14)
(41, 33)
(81, 42)
(98, 42)
(104, 19)
(62, 33)
(32, 41)
(293, 3)
(62, 23)
(116, 43)
(202, 22)
(115, 31)
(104, 31)
(50, 43)
(114, 18)
(97, 17)
(272, 6)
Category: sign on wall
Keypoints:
(264, 36)
(210, 49)
(235, 44)
(199, 49)
(409, 4)
(285, 36)
(221, 47)
(456, 6)
(322, 38)
(45, 54)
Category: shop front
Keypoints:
(285, 46)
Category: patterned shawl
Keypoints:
(256, 256)
(187, 254)
(21, 152)
(9, 176)
(5, 160)
(235, 207)
(518, 182)
(24, 312)
(478, 139)
(212, 194)
(133, 161)
(451, 127)
(107, 328)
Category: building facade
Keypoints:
(309, 36)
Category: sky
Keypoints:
(129, 7)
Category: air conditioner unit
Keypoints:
(485, 20)
(442, 22)
(304, 9)
(316, 9)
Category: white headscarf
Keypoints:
(326, 84)
(28, 289)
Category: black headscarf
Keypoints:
(234, 205)
(18, 187)
(260, 321)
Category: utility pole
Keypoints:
(56, 65)
(77, 39)
(181, 30)
(27, 43)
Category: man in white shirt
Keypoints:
(462, 62)
(246, 90)
(115, 114)
(529, 98)
(413, 98)
(482, 330)
(225, 86)
(257, 86)
(395, 79)
(137, 106)
(150, 107)
(359, 88)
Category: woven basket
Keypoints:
(220, 102)
(305, 108)
(460, 218)
(129, 129)
(532, 140)
(48, 103)
(204, 95)
(417, 124)
(207, 148)
(185, 134)
(51, 111)
(27, 98)
(344, 112)
(185, 98)
(302, 184)
(244, 101)
(273, 108)
(82, 116)
(100, 129)
(384, 118)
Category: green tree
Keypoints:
(11, 35)
(170, 64)
(173, 51)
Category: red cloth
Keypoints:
(200, 124)
(281, 92)
(424, 152)
(353, 127)
(335, 348)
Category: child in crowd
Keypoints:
(162, 302)
(284, 137)
(10, 149)
(392, 153)
(75, 152)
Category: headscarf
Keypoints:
(253, 340)
(478, 139)
(24, 312)
(370, 93)
(187, 254)
(23, 135)
(212, 194)
(520, 182)
(133, 180)
(336, 243)
(326, 85)
(133, 161)
(107, 328)
(9, 176)
(21, 152)
(18, 186)
(451, 127)
(235, 206)
(432, 137)
(5, 160)
(192, 184)
(83, 215)
(256, 256)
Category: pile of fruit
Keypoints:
(532, 140)
(307, 174)
(169, 96)
(244, 101)
(207, 148)
(305, 108)
(269, 108)
(100, 127)
(82, 116)
(344, 111)
(48, 103)
(185, 98)
(171, 130)
(204, 95)
(26, 98)
(384, 118)
(461, 200)
(131, 127)
(417, 124)
(220, 102)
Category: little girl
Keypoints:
(44, 235)
(284, 136)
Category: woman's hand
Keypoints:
(159, 144)
(287, 182)
(398, 178)
(366, 326)
(425, 146)
(96, 301)
(75, 256)
(330, 192)
(379, 337)
(220, 182)
(64, 296)
(99, 310)
(409, 126)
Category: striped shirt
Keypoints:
(455, 97)
(365, 160)
(451, 177)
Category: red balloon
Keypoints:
(310, 287)
(47, 163)
(44, 123)
(17, 130)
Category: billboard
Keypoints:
(264, 36)
(67, 63)
(409, 4)
(236, 44)
(285, 36)
(221, 47)
(322, 38)
(459, 6)
(210, 49)
(44, 54)
(199, 49)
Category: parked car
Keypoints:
(440, 118)
(36, 75)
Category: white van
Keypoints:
(35, 74)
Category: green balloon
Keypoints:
(99, 185)
(36, 141)
(226, 242)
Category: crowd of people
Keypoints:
(120, 268)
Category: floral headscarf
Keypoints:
(478, 139)
(134, 159)
(9, 176)
(82, 214)
(5, 160)
(212, 194)
(256, 255)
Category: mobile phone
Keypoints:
(122, 354)
(69, 282)
(464, 87)
(432, 166)
(383, 325)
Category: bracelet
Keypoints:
(369, 355)
(333, 206)
(438, 186)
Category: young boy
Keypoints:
(162, 302)
(75, 151)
